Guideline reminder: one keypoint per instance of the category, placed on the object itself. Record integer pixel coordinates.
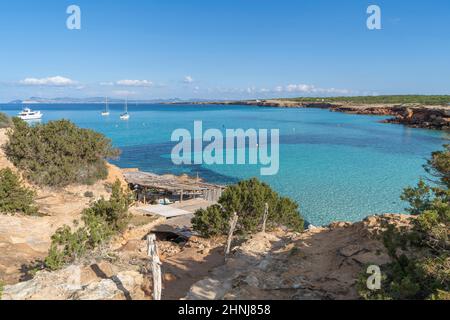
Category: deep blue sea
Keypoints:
(336, 166)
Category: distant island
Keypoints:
(95, 100)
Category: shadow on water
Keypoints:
(155, 158)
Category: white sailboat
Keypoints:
(105, 113)
(125, 115)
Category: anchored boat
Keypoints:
(105, 113)
(125, 115)
(28, 114)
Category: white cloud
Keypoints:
(288, 90)
(300, 88)
(134, 83)
(56, 81)
(310, 89)
(188, 79)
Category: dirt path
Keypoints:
(195, 262)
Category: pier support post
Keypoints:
(155, 262)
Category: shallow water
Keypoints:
(336, 166)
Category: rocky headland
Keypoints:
(413, 115)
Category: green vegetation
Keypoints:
(247, 199)
(421, 253)
(102, 220)
(89, 194)
(58, 153)
(1, 289)
(394, 99)
(5, 121)
(14, 198)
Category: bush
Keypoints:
(66, 247)
(211, 221)
(102, 220)
(89, 194)
(58, 153)
(14, 198)
(5, 121)
(247, 199)
(393, 99)
(421, 254)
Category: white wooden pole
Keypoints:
(155, 262)
(266, 215)
(233, 223)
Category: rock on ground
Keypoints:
(68, 284)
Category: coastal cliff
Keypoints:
(413, 115)
(430, 117)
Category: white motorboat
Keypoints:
(105, 113)
(28, 114)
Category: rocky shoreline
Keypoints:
(412, 115)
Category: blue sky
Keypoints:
(223, 49)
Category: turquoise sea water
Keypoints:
(336, 166)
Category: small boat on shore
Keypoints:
(28, 114)
(105, 112)
(125, 115)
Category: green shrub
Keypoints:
(1, 289)
(14, 198)
(102, 220)
(89, 194)
(211, 221)
(247, 199)
(66, 247)
(58, 153)
(392, 99)
(5, 121)
(421, 253)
